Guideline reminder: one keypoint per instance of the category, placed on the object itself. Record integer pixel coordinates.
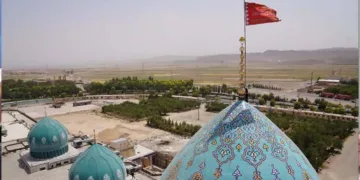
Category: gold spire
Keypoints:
(242, 81)
(94, 137)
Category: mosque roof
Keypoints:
(98, 162)
(240, 143)
(48, 139)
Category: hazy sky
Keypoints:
(60, 32)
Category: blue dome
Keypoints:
(47, 139)
(240, 143)
(98, 163)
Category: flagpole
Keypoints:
(245, 22)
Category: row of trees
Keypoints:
(263, 99)
(133, 84)
(153, 106)
(175, 87)
(22, 90)
(182, 129)
(317, 138)
(352, 90)
(305, 104)
(261, 86)
(328, 107)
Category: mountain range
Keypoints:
(345, 56)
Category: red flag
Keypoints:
(259, 14)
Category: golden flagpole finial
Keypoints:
(241, 90)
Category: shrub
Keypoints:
(297, 105)
(272, 103)
(262, 101)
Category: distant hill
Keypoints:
(167, 58)
(346, 56)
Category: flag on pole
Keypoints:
(259, 14)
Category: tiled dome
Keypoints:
(47, 139)
(98, 163)
(240, 143)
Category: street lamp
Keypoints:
(198, 112)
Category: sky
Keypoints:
(56, 33)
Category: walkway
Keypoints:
(345, 165)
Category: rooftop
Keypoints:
(15, 131)
(119, 140)
(16, 124)
(140, 151)
(38, 111)
(329, 80)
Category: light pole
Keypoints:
(199, 112)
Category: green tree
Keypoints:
(329, 110)
(272, 103)
(312, 108)
(262, 101)
(354, 112)
(297, 105)
(322, 105)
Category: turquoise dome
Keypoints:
(98, 163)
(240, 143)
(47, 139)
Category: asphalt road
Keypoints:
(294, 95)
(345, 165)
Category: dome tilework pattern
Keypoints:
(240, 143)
(48, 139)
(98, 163)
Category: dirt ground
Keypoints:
(200, 117)
(107, 128)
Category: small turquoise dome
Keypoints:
(47, 139)
(240, 143)
(98, 163)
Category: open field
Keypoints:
(281, 75)
(106, 127)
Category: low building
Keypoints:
(143, 156)
(328, 82)
(126, 149)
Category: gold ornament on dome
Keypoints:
(242, 39)
(241, 91)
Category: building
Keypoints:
(48, 146)
(98, 162)
(240, 143)
(328, 82)
(126, 149)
